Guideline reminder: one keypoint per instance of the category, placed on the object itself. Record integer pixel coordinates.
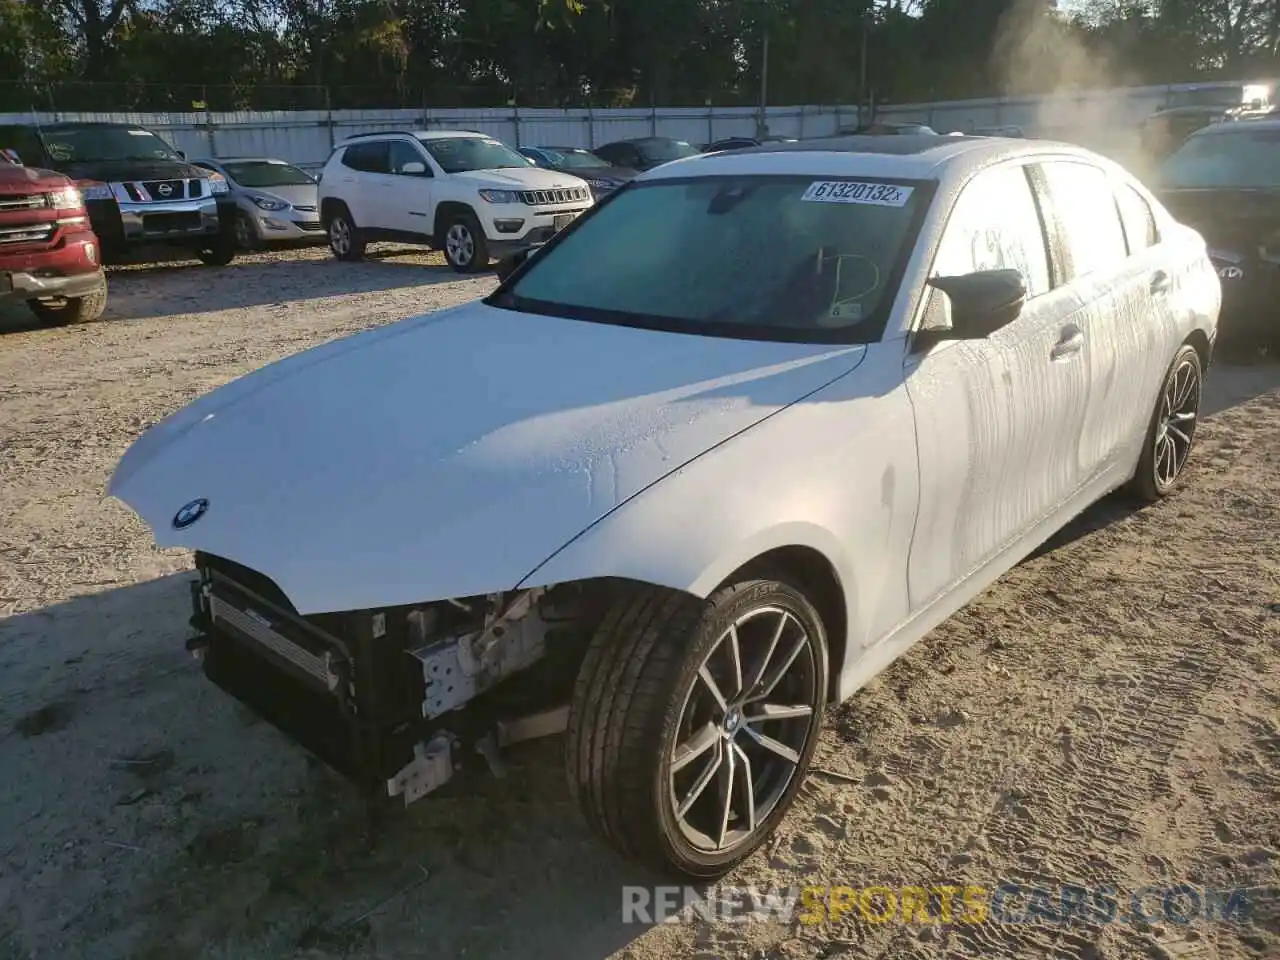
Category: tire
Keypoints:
(245, 234)
(465, 247)
(63, 311)
(220, 251)
(345, 239)
(1167, 448)
(640, 692)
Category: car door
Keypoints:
(1151, 316)
(367, 189)
(409, 200)
(997, 419)
(1122, 285)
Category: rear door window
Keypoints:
(1085, 204)
(1139, 222)
(372, 157)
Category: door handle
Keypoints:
(1159, 282)
(1072, 343)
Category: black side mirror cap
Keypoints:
(981, 303)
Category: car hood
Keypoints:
(304, 194)
(16, 179)
(1234, 220)
(450, 454)
(517, 178)
(606, 174)
(112, 171)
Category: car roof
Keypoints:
(1231, 126)
(647, 140)
(419, 134)
(911, 156)
(88, 125)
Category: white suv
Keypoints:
(465, 193)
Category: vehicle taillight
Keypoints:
(94, 190)
(68, 198)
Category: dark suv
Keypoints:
(140, 192)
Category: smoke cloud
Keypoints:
(1040, 51)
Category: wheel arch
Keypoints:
(1200, 340)
(330, 206)
(813, 574)
(446, 212)
(807, 556)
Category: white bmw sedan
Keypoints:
(697, 469)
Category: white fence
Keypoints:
(306, 137)
(1105, 120)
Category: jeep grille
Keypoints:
(563, 195)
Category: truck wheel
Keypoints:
(345, 239)
(693, 722)
(220, 251)
(465, 247)
(62, 311)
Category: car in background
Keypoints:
(645, 153)
(1007, 130)
(602, 176)
(142, 195)
(49, 255)
(1224, 180)
(1194, 107)
(924, 356)
(458, 191)
(741, 143)
(275, 200)
(887, 129)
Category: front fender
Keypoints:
(835, 473)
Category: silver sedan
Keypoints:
(275, 200)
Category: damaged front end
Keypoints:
(391, 697)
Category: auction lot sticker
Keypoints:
(857, 191)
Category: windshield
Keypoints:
(1242, 158)
(463, 154)
(263, 174)
(773, 257)
(576, 159)
(666, 150)
(85, 144)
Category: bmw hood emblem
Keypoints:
(190, 513)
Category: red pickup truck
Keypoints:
(49, 255)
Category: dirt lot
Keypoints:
(1109, 713)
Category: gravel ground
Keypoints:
(1108, 713)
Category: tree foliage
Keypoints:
(96, 54)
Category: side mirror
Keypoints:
(981, 303)
(510, 264)
(182, 154)
(414, 168)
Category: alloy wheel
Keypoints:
(1179, 408)
(340, 236)
(459, 244)
(743, 728)
(244, 232)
